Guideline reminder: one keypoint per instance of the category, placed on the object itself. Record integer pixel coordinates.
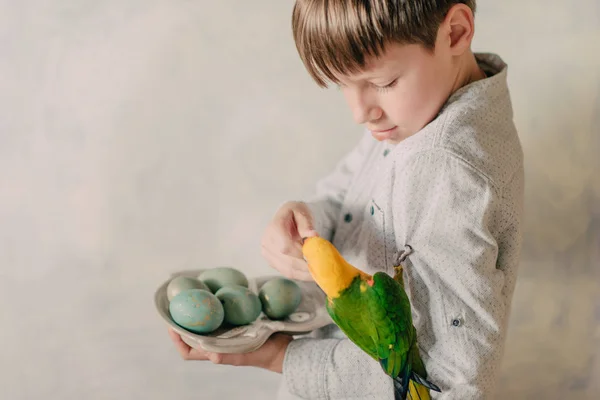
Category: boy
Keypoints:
(440, 169)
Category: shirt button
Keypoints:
(348, 217)
(372, 210)
(386, 152)
(456, 322)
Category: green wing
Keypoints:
(378, 320)
(348, 312)
(396, 330)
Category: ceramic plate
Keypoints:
(310, 315)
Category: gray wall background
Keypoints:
(142, 137)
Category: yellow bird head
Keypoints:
(328, 268)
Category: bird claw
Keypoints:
(408, 250)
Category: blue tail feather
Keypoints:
(401, 385)
(420, 380)
(400, 382)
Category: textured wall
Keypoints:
(142, 137)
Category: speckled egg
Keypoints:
(181, 283)
(280, 297)
(197, 310)
(216, 278)
(241, 305)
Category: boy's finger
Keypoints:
(301, 274)
(282, 234)
(304, 223)
(262, 357)
(228, 359)
(180, 345)
(254, 358)
(185, 351)
(292, 267)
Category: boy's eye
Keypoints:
(386, 87)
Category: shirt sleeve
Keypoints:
(326, 203)
(333, 369)
(452, 216)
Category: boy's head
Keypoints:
(397, 61)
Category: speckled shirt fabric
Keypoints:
(454, 192)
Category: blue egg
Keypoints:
(241, 305)
(181, 283)
(280, 297)
(197, 310)
(216, 278)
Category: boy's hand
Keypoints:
(282, 241)
(269, 356)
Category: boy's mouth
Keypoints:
(382, 135)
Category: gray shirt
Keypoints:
(454, 192)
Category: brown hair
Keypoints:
(335, 36)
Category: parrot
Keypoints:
(374, 312)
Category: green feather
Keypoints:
(348, 312)
(378, 320)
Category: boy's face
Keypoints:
(400, 92)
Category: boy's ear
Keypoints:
(458, 28)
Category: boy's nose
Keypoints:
(363, 113)
(364, 109)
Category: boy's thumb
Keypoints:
(304, 224)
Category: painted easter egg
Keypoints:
(280, 297)
(216, 278)
(241, 305)
(181, 283)
(197, 310)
